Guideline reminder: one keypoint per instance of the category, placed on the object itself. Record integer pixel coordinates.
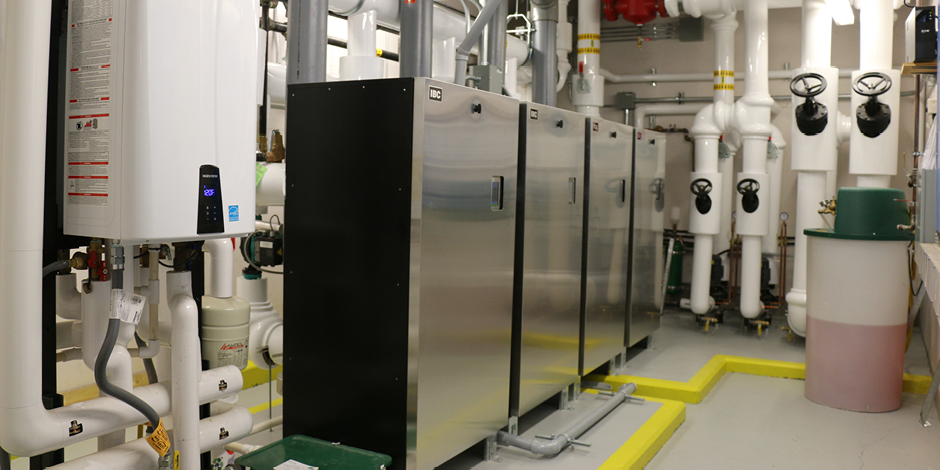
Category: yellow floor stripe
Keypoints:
(266, 405)
(652, 436)
(695, 390)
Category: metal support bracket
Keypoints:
(931, 396)
(489, 449)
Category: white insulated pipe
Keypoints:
(68, 301)
(642, 111)
(706, 133)
(775, 170)
(813, 157)
(587, 88)
(876, 20)
(361, 61)
(695, 76)
(221, 251)
(752, 114)
(186, 357)
(138, 455)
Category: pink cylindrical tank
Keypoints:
(857, 293)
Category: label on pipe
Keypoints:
(159, 440)
(726, 80)
(89, 84)
(126, 306)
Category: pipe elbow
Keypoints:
(777, 137)
(705, 124)
(752, 115)
(30, 431)
(711, 9)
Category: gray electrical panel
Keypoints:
(398, 287)
(646, 244)
(547, 295)
(606, 239)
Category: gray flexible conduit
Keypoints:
(53, 267)
(104, 355)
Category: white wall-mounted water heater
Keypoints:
(161, 118)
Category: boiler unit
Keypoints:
(606, 238)
(160, 128)
(646, 244)
(398, 284)
(547, 296)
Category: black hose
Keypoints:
(148, 362)
(5, 460)
(101, 376)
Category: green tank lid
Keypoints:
(869, 214)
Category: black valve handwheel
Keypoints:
(748, 186)
(812, 83)
(701, 187)
(872, 84)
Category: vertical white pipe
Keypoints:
(750, 276)
(876, 18)
(817, 34)
(873, 181)
(700, 295)
(186, 357)
(756, 49)
(361, 62)
(810, 190)
(444, 60)
(221, 267)
(588, 86)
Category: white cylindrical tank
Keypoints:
(857, 293)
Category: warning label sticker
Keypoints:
(89, 101)
(235, 353)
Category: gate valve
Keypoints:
(811, 116)
(748, 189)
(873, 117)
(700, 189)
(657, 187)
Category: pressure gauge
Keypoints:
(784, 216)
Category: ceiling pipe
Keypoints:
(544, 59)
(694, 76)
(417, 26)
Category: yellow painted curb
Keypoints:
(695, 390)
(649, 439)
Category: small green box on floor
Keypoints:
(312, 453)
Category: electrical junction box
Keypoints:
(161, 118)
(920, 30)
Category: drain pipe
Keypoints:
(186, 358)
(875, 159)
(558, 443)
(813, 156)
(544, 54)
(707, 184)
(588, 85)
(752, 116)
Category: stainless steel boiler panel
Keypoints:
(607, 234)
(646, 261)
(548, 274)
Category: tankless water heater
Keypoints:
(160, 119)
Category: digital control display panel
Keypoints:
(210, 201)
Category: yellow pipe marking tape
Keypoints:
(649, 439)
(724, 73)
(587, 37)
(589, 50)
(724, 86)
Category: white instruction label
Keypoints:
(126, 306)
(294, 465)
(233, 353)
(89, 101)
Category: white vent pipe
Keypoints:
(587, 86)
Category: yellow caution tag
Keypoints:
(159, 440)
(176, 460)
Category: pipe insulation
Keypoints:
(813, 157)
(561, 441)
(587, 93)
(544, 58)
(186, 357)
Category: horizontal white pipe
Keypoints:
(240, 448)
(271, 189)
(64, 337)
(275, 344)
(267, 424)
(68, 355)
(695, 76)
(221, 251)
(37, 431)
(138, 455)
(642, 111)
